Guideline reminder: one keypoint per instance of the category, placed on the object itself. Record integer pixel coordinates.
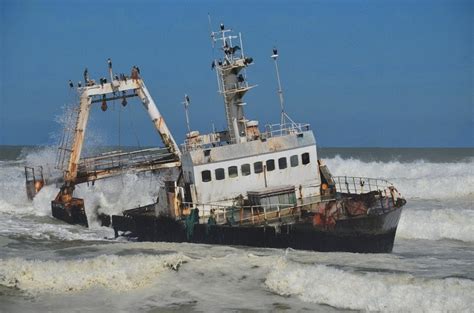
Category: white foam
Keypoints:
(41, 156)
(28, 227)
(114, 195)
(370, 291)
(110, 196)
(435, 224)
(12, 187)
(418, 179)
(119, 273)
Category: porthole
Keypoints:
(305, 158)
(282, 163)
(233, 172)
(220, 174)
(294, 160)
(206, 176)
(270, 165)
(245, 169)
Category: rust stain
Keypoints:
(160, 122)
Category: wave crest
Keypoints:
(419, 179)
(119, 273)
(447, 223)
(371, 291)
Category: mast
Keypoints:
(231, 82)
(186, 103)
(274, 56)
(284, 116)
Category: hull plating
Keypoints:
(371, 234)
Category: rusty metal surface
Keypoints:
(252, 148)
(303, 177)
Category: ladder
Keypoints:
(67, 138)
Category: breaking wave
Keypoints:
(370, 291)
(47, 229)
(457, 224)
(118, 273)
(106, 196)
(419, 179)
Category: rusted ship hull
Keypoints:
(369, 234)
(72, 212)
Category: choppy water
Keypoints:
(46, 265)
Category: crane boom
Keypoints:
(70, 209)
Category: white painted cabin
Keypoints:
(218, 175)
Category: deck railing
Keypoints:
(192, 144)
(271, 130)
(121, 159)
(250, 214)
(243, 214)
(358, 185)
(276, 130)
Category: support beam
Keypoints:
(158, 120)
(79, 134)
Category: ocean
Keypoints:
(50, 266)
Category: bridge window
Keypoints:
(245, 168)
(220, 174)
(233, 171)
(282, 163)
(270, 165)
(294, 160)
(305, 158)
(206, 176)
(257, 167)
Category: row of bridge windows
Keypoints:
(245, 169)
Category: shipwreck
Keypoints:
(244, 185)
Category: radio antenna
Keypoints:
(211, 32)
(284, 116)
(186, 103)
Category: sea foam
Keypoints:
(370, 291)
(415, 180)
(118, 273)
(435, 224)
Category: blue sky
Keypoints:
(362, 73)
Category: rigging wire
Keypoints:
(130, 119)
(119, 130)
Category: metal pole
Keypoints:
(274, 56)
(186, 105)
(241, 45)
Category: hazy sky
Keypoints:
(362, 73)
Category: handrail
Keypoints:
(359, 185)
(111, 154)
(190, 144)
(271, 130)
(276, 130)
(254, 212)
(265, 212)
(124, 159)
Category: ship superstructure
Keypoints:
(221, 167)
